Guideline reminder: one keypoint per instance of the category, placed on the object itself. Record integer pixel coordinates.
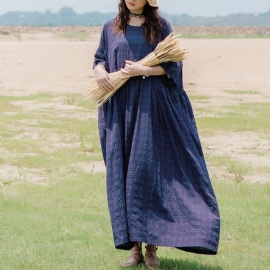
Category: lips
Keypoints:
(131, 4)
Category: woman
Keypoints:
(158, 188)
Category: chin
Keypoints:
(134, 10)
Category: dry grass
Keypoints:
(166, 51)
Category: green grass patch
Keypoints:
(19, 145)
(5, 33)
(2, 160)
(45, 139)
(37, 97)
(235, 167)
(201, 99)
(236, 118)
(64, 223)
(78, 100)
(241, 92)
(7, 106)
(67, 226)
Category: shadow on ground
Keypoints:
(171, 264)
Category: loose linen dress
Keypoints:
(158, 187)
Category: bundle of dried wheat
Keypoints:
(166, 51)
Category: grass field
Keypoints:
(53, 208)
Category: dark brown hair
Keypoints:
(152, 27)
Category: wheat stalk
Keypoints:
(166, 51)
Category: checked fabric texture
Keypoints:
(158, 187)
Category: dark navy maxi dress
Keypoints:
(158, 187)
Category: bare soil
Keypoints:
(39, 60)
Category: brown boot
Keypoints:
(151, 259)
(136, 256)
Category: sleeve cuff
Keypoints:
(173, 71)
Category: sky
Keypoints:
(206, 8)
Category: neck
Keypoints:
(136, 15)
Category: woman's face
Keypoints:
(136, 6)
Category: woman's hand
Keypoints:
(132, 69)
(102, 77)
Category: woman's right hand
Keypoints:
(102, 77)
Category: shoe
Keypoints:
(136, 256)
(151, 259)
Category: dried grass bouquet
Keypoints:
(167, 50)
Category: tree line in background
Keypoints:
(68, 16)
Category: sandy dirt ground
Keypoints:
(40, 63)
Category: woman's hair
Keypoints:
(152, 27)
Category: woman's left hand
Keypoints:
(132, 69)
